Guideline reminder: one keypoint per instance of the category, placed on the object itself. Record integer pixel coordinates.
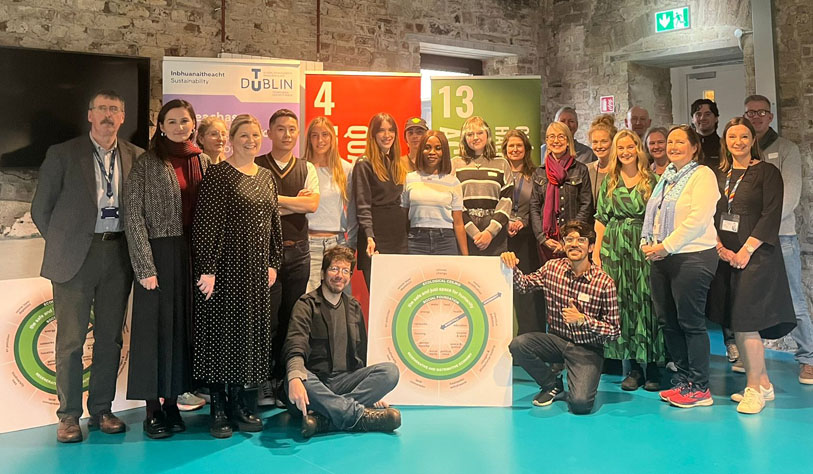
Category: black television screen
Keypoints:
(44, 99)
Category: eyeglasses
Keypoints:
(574, 240)
(556, 138)
(345, 271)
(105, 109)
(756, 113)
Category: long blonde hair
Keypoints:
(489, 152)
(334, 160)
(644, 186)
(398, 167)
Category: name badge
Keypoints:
(491, 173)
(773, 156)
(584, 297)
(730, 222)
(110, 212)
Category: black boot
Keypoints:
(174, 419)
(653, 377)
(315, 423)
(378, 419)
(219, 425)
(239, 412)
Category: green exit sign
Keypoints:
(671, 20)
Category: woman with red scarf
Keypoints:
(160, 196)
(561, 191)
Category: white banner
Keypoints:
(446, 322)
(28, 367)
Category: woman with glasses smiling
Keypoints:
(561, 190)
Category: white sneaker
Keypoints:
(767, 393)
(732, 353)
(265, 394)
(752, 402)
(738, 366)
(189, 402)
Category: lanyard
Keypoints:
(517, 191)
(736, 185)
(107, 175)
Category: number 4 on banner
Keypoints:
(324, 98)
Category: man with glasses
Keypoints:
(77, 210)
(582, 308)
(329, 382)
(784, 154)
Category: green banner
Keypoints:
(504, 102)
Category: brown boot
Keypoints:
(378, 419)
(315, 423)
(68, 430)
(107, 422)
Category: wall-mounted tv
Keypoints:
(44, 97)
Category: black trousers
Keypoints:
(680, 285)
(103, 283)
(292, 280)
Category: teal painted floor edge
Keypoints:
(628, 432)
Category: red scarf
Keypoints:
(185, 159)
(556, 171)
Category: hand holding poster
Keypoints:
(504, 102)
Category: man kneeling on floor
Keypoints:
(582, 314)
(325, 351)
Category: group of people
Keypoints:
(242, 263)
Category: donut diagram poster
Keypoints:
(28, 365)
(446, 322)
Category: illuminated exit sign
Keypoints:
(671, 20)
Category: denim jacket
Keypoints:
(576, 194)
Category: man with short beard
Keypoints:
(329, 382)
(582, 307)
(705, 117)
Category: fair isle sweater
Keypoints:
(488, 185)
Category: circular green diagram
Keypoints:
(440, 329)
(30, 349)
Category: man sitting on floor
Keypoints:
(326, 352)
(582, 314)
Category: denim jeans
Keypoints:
(430, 241)
(803, 333)
(343, 396)
(318, 246)
(680, 286)
(292, 279)
(535, 351)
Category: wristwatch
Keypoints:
(749, 248)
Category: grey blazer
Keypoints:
(64, 206)
(152, 203)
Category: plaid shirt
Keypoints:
(594, 294)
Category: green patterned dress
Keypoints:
(622, 214)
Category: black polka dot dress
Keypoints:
(236, 237)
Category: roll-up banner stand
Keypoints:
(349, 100)
(227, 87)
(503, 102)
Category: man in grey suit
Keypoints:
(77, 210)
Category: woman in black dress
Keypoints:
(750, 293)
(378, 180)
(160, 196)
(238, 248)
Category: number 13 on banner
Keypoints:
(324, 98)
(465, 94)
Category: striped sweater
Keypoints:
(487, 185)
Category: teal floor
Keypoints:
(628, 432)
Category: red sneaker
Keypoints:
(690, 397)
(667, 394)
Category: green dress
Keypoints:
(622, 214)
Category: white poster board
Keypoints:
(446, 322)
(28, 368)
